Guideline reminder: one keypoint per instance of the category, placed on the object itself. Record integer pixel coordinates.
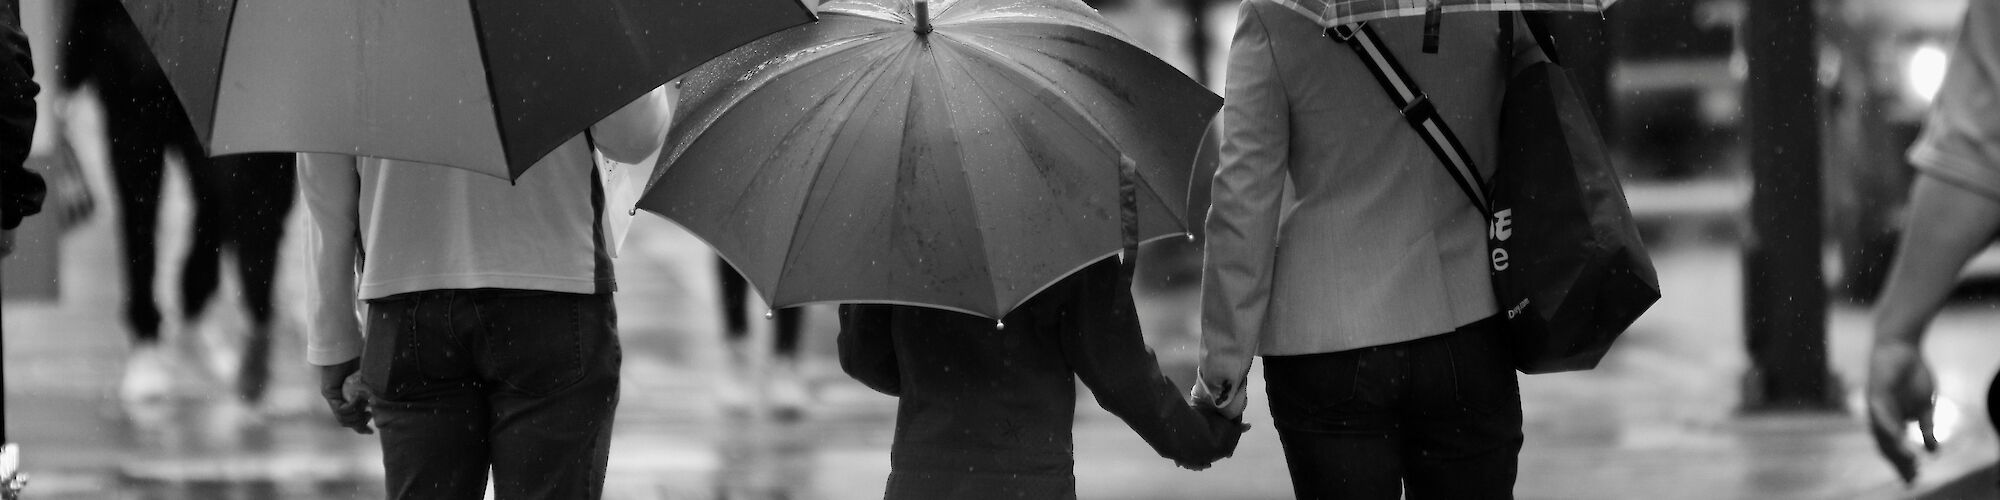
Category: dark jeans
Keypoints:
(1437, 417)
(523, 382)
(241, 202)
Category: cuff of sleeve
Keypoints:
(1953, 163)
(332, 355)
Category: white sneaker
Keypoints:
(148, 375)
(733, 388)
(788, 392)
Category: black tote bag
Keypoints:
(1567, 264)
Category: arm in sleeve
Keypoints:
(867, 348)
(1242, 222)
(1103, 344)
(636, 131)
(24, 189)
(330, 185)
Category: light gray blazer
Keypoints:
(1377, 245)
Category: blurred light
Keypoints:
(1945, 421)
(1923, 73)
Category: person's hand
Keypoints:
(341, 386)
(1224, 433)
(1230, 399)
(1900, 389)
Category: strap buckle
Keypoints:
(1345, 32)
(1420, 109)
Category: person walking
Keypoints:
(1954, 213)
(1366, 292)
(986, 412)
(240, 202)
(23, 189)
(491, 337)
(753, 372)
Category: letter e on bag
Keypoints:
(1502, 229)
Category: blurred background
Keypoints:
(1708, 396)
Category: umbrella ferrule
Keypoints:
(923, 17)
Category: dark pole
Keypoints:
(1784, 296)
(1197, 11)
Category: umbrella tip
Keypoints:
(923, 17)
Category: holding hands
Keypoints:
(1222, 434)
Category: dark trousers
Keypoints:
(142, 123)
(735, 291)
(240, 203)
(1438, 417)
(521, 382)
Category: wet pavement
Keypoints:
(1659, 419)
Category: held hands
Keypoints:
(341, 386)
(1224, 432)
(1227, 398)
(1225, 422)
(1901, 389)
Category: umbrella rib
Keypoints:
(485, 62)
(1046, 83)
(850, 100)
(985, 91)
(736, 97)
(1075, 108)
(1043, 95)
(963, 177)
(1072, 106)
(221, 63)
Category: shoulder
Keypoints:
(1276, 18)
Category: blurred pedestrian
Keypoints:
(986, 412)
(1954, 213)
(491, 337)
(21, 191)
(240, 202)
(1366, 292)
(773, 375)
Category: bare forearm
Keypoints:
(1948, 226)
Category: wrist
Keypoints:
(1898, 339)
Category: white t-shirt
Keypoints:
(427, 227)
(412, 227)
(1961, 141)
(424, 227)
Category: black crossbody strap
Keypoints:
(1417, 110)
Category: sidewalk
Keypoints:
(1657, 420)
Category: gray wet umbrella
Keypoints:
(963, 162)
(485, 85)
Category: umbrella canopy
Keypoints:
(963, 162)
(485, 85)
(1330, 13)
